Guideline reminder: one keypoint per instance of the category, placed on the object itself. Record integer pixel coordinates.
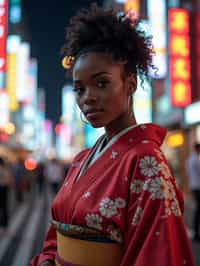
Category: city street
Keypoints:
(23, 238)
(28, 225)
(107, 93)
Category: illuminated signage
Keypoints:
(15, 11)
(197, 55)
(175, 139)
(4, 111)
(32, 81)
(143, 103)
(142, 99)
(191, 113)
(12, 47)
(68, 105)
(3, 34)
(23, 54)
(133, 6)
(179, 57)
(158, 24)
(11, 81)
(120, 1)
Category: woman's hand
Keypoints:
(47, 263)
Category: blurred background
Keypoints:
(40, 125)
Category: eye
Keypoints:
(102, 83)
(79, 90)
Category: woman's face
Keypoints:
(101, 92)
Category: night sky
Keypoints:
(45, 26)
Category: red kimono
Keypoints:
(130, 195)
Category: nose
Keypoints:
(90, 95)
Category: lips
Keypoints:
(92, 113)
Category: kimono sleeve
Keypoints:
(155, 231)
(49, 248)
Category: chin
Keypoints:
(97, 124)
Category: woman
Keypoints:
(119, 204)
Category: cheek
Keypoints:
(116, 98)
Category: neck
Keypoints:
(118, 125)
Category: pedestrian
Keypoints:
(119, 204)
(5, 184)
(40, 177)
(54, 174)
(193, 169)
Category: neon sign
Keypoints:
(179, 57)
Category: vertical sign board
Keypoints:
(32, 82)
(14, 11)
(179, 57)
(13, 43)
(3, 34)
(23, 57)
(158, 24)
(4, 108)
(197, 54)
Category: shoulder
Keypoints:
(81, 155)
(146, 148)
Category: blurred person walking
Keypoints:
(40, 177)
(5, 183)
(193, 169)
(19, 173)
(54, 174)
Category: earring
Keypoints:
(82, 119)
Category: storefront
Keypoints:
(175, 149)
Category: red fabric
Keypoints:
(129, 194)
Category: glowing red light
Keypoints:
(30, 164)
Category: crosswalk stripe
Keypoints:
(24, 250)
(13, 228)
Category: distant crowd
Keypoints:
(21, 182)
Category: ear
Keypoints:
(131, 84)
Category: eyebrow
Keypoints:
(95, 75)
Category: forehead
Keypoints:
(95, 62)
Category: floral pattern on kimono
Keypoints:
(129, 195)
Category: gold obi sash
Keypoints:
(88, 253)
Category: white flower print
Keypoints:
(116, 235)
(170, 193)
(137, 216)
(120, 203)
(114, 154)
(107, 208)
(94, 221)
(86, 194)
(159, 188)
(136, 186)
(175, 208)
(164, 170)
(145, 141)
(149, 166)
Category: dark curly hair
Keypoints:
(103, 30)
